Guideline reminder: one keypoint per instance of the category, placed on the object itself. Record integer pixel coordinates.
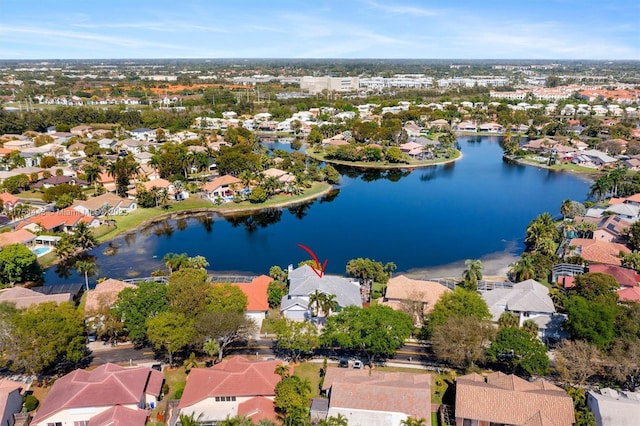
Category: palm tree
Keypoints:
(339, 420)
(530, 327)
(414, 421)
(92, 172)
(190, 420)
(328, 304)
(87, 268)
(600, 187)
(83, 237)
(122, 170)
(523, 269)
(174, 261)
(566, 208)
(283, 370)
(508, 320)
(163, 197)
(472, 274)
(315, 302)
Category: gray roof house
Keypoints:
(304, 281)
(614, 407)
(529, 300)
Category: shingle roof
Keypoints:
(106, 386)
(236, 376)
(303, 281)
(510, 400)
(379, 391)
(526, 296)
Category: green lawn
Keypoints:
(279, 200)
(310, 371)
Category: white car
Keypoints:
(357, 364)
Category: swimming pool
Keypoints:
(41, 251)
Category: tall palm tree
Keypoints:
(163, 197)
(87, 268)
(83, 237)
(566, 208)
(122, 170)
(92, 172)
(472, 274)
(523, 269)
(316, 299)
(328, 304)
(175, 261)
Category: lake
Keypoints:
(475, 208)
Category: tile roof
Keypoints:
(106, 386)
(119, 416)
(52, 220)
(257, 409)
(402, 288)
(24, 297)
(108, 199)
(629, 294)
(9, 198)
(105, 293)
(599, 251)
(236, 376)
(624, 276)
(511, 400)
(256, 292)
(372, 390)
(21, 236)
(225, 180)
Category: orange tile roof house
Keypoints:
(236, 386)
(370, 397)
(60, 221)
(624, 276)
(257, 299)
(599, 251)
(402, 290)
(629, 294)
(21, 236)
(221, 187)
(10, 400)
(9, 201)
(507, 399)
(82, 395)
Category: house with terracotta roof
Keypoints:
(104, 294)
(612, 407)
(257, 298)
(24, 297)
(624, 276)
(82, 395)
(221, 187)
(375, 398)
(507, 399)
(406, 294)
(9, 201)
(529, 300)
(10, 401)
(629, 294)
(236, 386)
(105, 204)
(598, 251)
(611, 228)
(60, 221)
(21, 236)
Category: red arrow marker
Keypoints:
(319, 270)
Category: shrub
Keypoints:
(30, 403)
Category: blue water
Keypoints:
(476, 207)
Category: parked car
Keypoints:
(343, 363)
(357, 364)
(92, 336)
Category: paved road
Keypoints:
(409, 354)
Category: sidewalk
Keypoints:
(99, 346)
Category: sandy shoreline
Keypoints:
(496, 265)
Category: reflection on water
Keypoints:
(253, 221)
(372, 175)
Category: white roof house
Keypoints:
(614, 407)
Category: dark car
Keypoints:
(343, 363)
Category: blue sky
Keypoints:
(474, 29)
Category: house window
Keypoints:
(55, 424)
(81, 423)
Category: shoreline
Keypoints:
(587, 174)
(361, 165)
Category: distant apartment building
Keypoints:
(402, 81)
(316, 85)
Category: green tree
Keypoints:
(296, 337)
(520, 351)
(188, 291)
(18, 264)
(459, 303)
(122, 170)
(414, 421)
(292, 393)
(15, 184)
(461, 341)
(45, 335)
(275, 293)
(225, 328)
(472, 274)
(394, 155)
(227, 297)
(170, 331)
(258, 195)
(591, 321)
(136, 305)
(377, 331)
(597, 286)
(508, 319)
(82, 237)
(633, 236)
(332, 176)
(175, 261)
(86, 268)
(338, 420)
(366, 269)
(65, 247)
(523, 269)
